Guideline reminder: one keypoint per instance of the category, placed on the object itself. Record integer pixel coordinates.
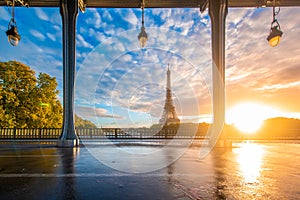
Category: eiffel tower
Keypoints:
(169, 115)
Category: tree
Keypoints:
(28, 101)
(82, 123)
(49, 108)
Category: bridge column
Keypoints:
(69, 12)
(218, 11)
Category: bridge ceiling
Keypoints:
(159, 3)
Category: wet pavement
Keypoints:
(247, 171)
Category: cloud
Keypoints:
(106, 15)
(94, 19)
(97, 35)
(238, 38)
(115, 72)
(5, 16)
(91, 112)
(37, 34)
(280, 86)
(255, 71)
(130, 17)
(123, 76)
(51, 37)
(41, 14)
(81, 42)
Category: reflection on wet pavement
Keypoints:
(247, 171)
(249, 158)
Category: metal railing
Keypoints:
(98, 133)
(117, 133)
(29, 133)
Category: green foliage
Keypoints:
(49, 107)
(22, 94)
(82, 123)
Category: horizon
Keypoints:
(209, 123)
(119, 84)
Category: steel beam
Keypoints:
(69, 12)
(218, 10)
(158, 3)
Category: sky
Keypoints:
(120, 84)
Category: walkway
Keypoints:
(248, 171)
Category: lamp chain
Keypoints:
(142, 6)
(142, 16)
(275, 13)
(12, 5)
(12, 12)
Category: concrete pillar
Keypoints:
(218, 11)
(69, 12)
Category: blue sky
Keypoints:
(120, 84)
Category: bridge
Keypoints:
(217, 10)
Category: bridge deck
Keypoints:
(45, 172)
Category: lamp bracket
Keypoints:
(142, 4)
(203, 5)
(82, 5)
(21, 3)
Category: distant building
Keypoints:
(169, 115)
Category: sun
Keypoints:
(248, 117)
